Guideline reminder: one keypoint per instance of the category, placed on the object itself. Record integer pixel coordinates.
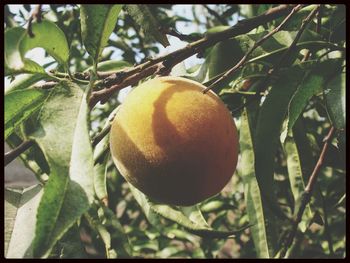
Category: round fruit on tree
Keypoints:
(174, 143)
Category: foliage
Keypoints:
(83, 208)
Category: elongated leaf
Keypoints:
(252, 192)
(194, 214)
(48, 36)
(268, 127)
(296, 177)
(191, 219)
(24, 81)
(20, 218)
(335, 100)
(110, 66)
(14, 61)
(310, 85)
(149, 24)
(70, 246)
(101, 158)
(66, 145)
(269, 124)
(100, 179)
(19, 105)
(111, 232)
(97, 24)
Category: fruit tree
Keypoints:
(175, 131)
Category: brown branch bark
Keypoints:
(132, 76)
(104, 94)
(306, 195)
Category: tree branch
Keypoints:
(10, 156)
(104, 94)
(132, 76)
(306, 196)
(250, 51)
(263, 84)
(46, 85)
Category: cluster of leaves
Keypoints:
(84, 208)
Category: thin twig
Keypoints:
(312, 179)
(263, 84)
(305, 22)
(46, 85)
(250, 51)
(183, 37)
(132, 76)
(11, 155)
(318, 28)
(35, 15)
(101, 135)
(216, 15)
(306, 196)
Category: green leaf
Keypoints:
(212, 206)
(313, 82)
(20, 218)
(334, 93)
(106, 224)
(149, 24)
(48, 36)
(14, 61)
(19, 105)
(190, 218)
(100, 178)
(70, 246)
(110, 66)
(97, 24)
(101, 158)
(269, 123)
(24, 81)
(252, 194)
(297, 173)
(63, 135)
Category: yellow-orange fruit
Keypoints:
(174, 143)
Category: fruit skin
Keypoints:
(174, 143)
